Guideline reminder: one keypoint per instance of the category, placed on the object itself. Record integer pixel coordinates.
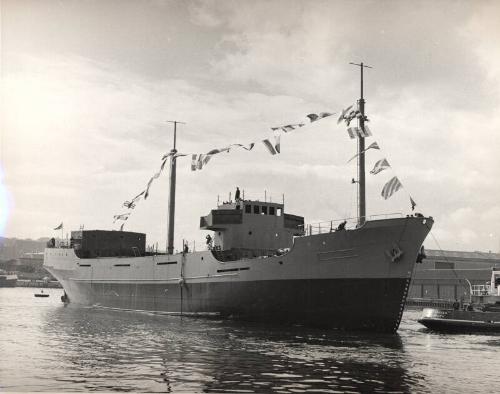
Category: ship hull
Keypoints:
(345, 280)
(360, 304)
(8, 282)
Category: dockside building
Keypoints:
(446, 275)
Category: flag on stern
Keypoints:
(59, 227)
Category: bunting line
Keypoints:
(321, 115)
(246, 147)
(155, 176)
(289, 127)
(348, 115)
(373, 145)
(131, 204)
(199, 160)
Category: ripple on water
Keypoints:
(52, 348)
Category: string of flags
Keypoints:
(347, 115)
(131, 204)
(273, 145)
(373, 145)
(290, 127)
(199, 160)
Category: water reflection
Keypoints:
(110, 350)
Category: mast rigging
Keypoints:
(361, 153)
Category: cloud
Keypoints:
(85, 117)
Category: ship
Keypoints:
(262, 264)
(7, 279)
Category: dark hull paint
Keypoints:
(349, 304)
(460, 326)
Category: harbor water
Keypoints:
(48, 347)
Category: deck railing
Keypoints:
(481, 290)
(351, 223)
(59, 243)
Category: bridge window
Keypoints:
(264, 210)
(271, 210)
(256, 209)
(248, 209)
(278, 211)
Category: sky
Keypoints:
(87, 88)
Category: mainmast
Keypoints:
(361, 154)
(171, 198)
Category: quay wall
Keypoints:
(38, 284)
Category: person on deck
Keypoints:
(209, 241)
(341, 226)
(237, 194)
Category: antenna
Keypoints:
(175, 122)
(171, 198)
(361, 154)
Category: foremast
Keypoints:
(171, 197)
(361, 153)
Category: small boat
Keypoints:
(449, 320)
(482, 314)
(41, 294)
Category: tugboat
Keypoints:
(41, 294)
(482, 313)
(261, 264)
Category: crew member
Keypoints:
(209, 241)
(237, 194)
(341, 226)
(421, 256)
